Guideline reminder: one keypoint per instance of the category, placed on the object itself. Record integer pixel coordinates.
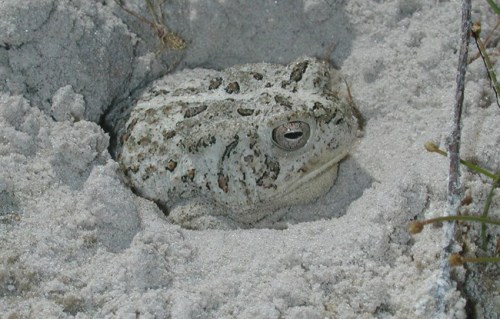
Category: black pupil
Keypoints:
(293, 135)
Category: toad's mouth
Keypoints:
(314, 183)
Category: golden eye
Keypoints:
(291, 136)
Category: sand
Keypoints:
(75, 242)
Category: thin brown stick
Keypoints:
(454, 189)
(136, 15)
(476, 30)
(168, 38)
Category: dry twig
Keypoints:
(443, 284)
(168, 38)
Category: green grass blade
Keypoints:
(494, 6)
(486, 208)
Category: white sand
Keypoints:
(76, 243)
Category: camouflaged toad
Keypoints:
(239, 143)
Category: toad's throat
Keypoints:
(311, 185)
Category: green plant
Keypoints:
(494, 6)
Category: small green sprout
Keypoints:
(494, 6)
(433, 148)
(457, 260)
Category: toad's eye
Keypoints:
(291, 136)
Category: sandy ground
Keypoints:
(77, 243)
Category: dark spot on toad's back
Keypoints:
(145, 177)
(317, 82)
(298, 71)
(244, 112)
(189, 175)
(141, 157)
(203, 142)
(257, 76)
(130, 127)
(248, 158)
(166, 109)
(145, 140)
(156, 92)
(284, 84)
(150, 112)
(195, 111)
(134, 168)
(233, 87)
(171, 165)
(223, 182)
(168, 134)
(162, 149)
(125, 137)
(215, 83)
(317, 106)
(150, 169)
(283, 101)
(230, 147)
(184, 178)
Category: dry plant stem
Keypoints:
(152, 11)
(126, 9)
(454, 188)
(444, 283)
(168, 39)
(476, 29)
(487, 40)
